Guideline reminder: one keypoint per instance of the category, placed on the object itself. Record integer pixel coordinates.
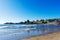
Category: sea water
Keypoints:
(20, 31)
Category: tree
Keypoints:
(51, 20)
(37, 20)
(42, 20)
(27, 21)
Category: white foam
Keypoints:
(28, 25)
(3, 27)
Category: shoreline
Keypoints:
(49, 36)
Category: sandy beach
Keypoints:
(52, 36)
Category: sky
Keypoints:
(21, 10)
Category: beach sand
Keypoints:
(51, 36)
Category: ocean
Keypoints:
(20, 31)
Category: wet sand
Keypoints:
(51, 36)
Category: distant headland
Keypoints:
(42, 21)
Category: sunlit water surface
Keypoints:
(19, 31)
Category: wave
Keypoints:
(3, 27)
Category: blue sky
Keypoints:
(20, 10)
